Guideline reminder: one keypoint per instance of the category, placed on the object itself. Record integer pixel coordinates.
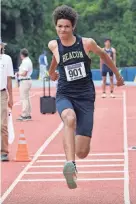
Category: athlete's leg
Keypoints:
(85, 118)
(111, 84)
(82, 146)
(66, 111)
(104, 85)
(104, 75)
(69, 118)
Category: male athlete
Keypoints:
(75, 95)
(105, 69)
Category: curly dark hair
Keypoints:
(65, 12)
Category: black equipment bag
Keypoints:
(47, 103)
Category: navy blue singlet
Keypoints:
(75, 79)
(110, 53)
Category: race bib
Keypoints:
(75, 71)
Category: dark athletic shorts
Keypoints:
(106, 70)
(84, 110)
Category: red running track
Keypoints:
(106, 176)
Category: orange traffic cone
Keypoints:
(22, 151)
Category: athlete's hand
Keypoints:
(120, 80)
(54, 76)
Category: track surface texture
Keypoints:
(106, 176)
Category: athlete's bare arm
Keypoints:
(53, 65)
(52, 45)
(93, 47)
(101, 62)
(87, 45)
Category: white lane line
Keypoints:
(97, 154)
(46, 143)
(83, 166)
(79, 172)
(126, 171)
(80, 179)
(117, 98)
(85, 160)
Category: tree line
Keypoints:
(29, 24)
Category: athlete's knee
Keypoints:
(111, 80)
(82, 153)
(82, 146)
(69, 118)
(70, 121)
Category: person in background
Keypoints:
(25, 84)
(105, 69)
(43, 63)
(6, 98)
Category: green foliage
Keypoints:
(29, 24)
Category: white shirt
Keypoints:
(6, 69)
(26, 65)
